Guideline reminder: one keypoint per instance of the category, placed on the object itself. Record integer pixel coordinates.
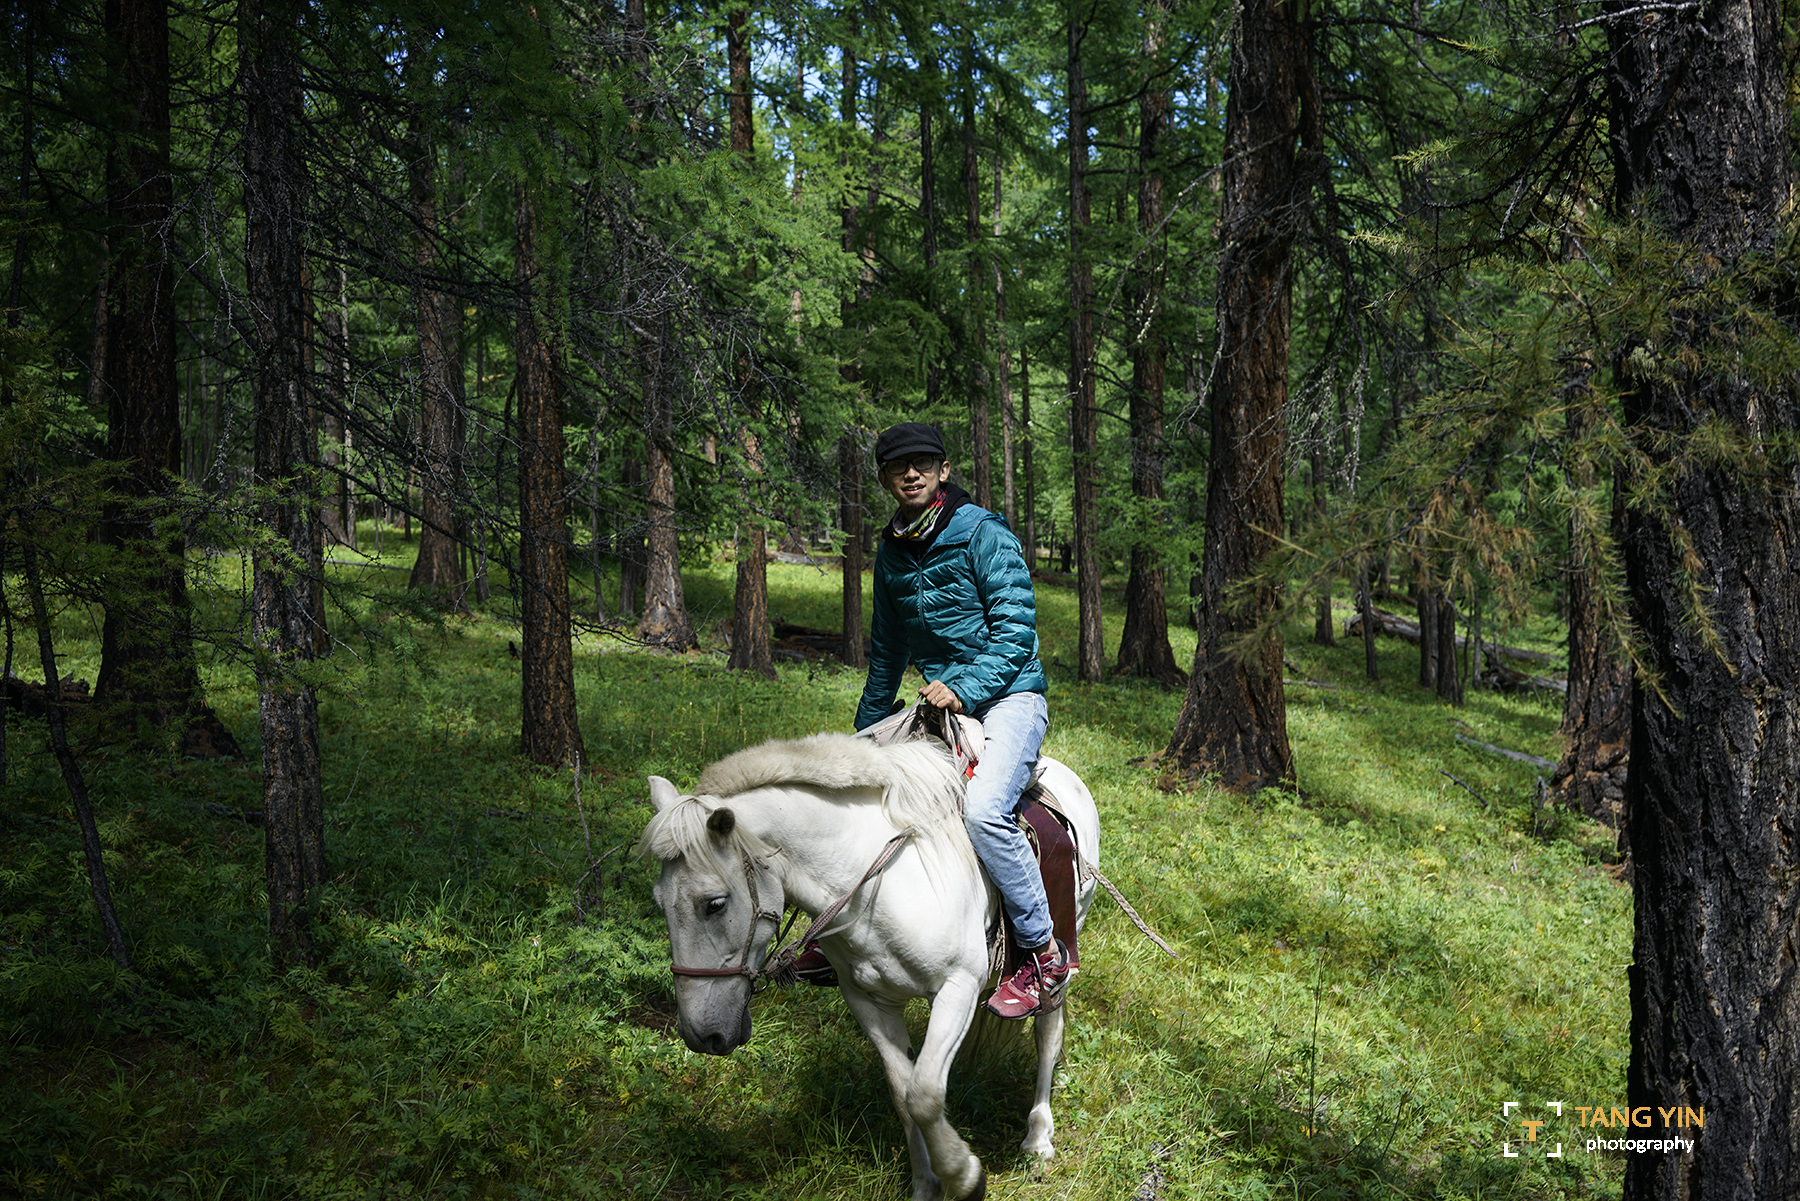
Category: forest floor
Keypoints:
(1370, 970)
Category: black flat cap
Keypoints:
(907, 439)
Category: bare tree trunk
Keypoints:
(76, 783)
(550, 731)
(1596, 722)
(1009, 427)
(147, 669)
(631, 544)
(1233, 720)
(750, 635)
(1324, 629)
(1031, 530)
(851, 457)
(850, 444)
(288, 574)
(1449, 678)
(665, 621)
(441, 395)
(1144, 649)
(1703, 150)
(1425, 602)
(1365, 605)
(981, 451)
(1084, 421)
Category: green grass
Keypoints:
(1369, 968)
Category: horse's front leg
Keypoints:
(885, 1024)
(1040, 1127)
(943, 1165)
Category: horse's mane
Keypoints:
(679, 832)
(917, 782)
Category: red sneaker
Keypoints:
(814, 968)
(1037, 985)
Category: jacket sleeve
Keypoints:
(887, 658)
(1009, 607)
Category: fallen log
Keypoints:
(1397, 626)
(1517, 756)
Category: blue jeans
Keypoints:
(1014, 726)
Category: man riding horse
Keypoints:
(953, 597)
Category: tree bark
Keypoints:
(1144, 649)
(851, 453)
(631, 544)
(851, 457)
(1084, 420)
(287, 571)
(92, 850)
(147, 668)
(1009, 426)
(1324, 629)
(1233, 721)
(751, 647)
(1702, 149)
(442, 400)
(981, 451)
(665, 621)
(1025, 460)
(1596, 722)
(550, 731)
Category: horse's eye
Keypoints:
(716, 905)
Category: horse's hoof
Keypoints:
(980, 1189)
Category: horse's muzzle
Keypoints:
(720, 1041)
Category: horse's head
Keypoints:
(722, 904)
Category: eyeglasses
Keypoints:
(923, 464)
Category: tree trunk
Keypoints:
(441, 396)
(1025, 463)
(1009, 426)
(751, 649)
(1084, 421)
(287, 576)
(147, 668)
(1596, 722)
(1702, 149)
(1324, 629)
(631, 545)
(1144, 649)
(92, 850)
(981, 452)
(851, 453)
(1233, 720)
(665, 621)
(1365, 605)
(550, 732)
(928, 218)
(1425, 605)
(1449, 677)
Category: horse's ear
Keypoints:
(662, 793)
(722, 822)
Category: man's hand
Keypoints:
(938, 694)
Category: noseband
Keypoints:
(781, 961)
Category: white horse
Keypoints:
(802, 823)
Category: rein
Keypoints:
(780, 964)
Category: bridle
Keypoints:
(778, 965)
(758, 913)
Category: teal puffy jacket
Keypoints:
(962, 612)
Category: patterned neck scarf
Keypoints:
(921, 525)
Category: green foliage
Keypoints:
(1369, 968)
